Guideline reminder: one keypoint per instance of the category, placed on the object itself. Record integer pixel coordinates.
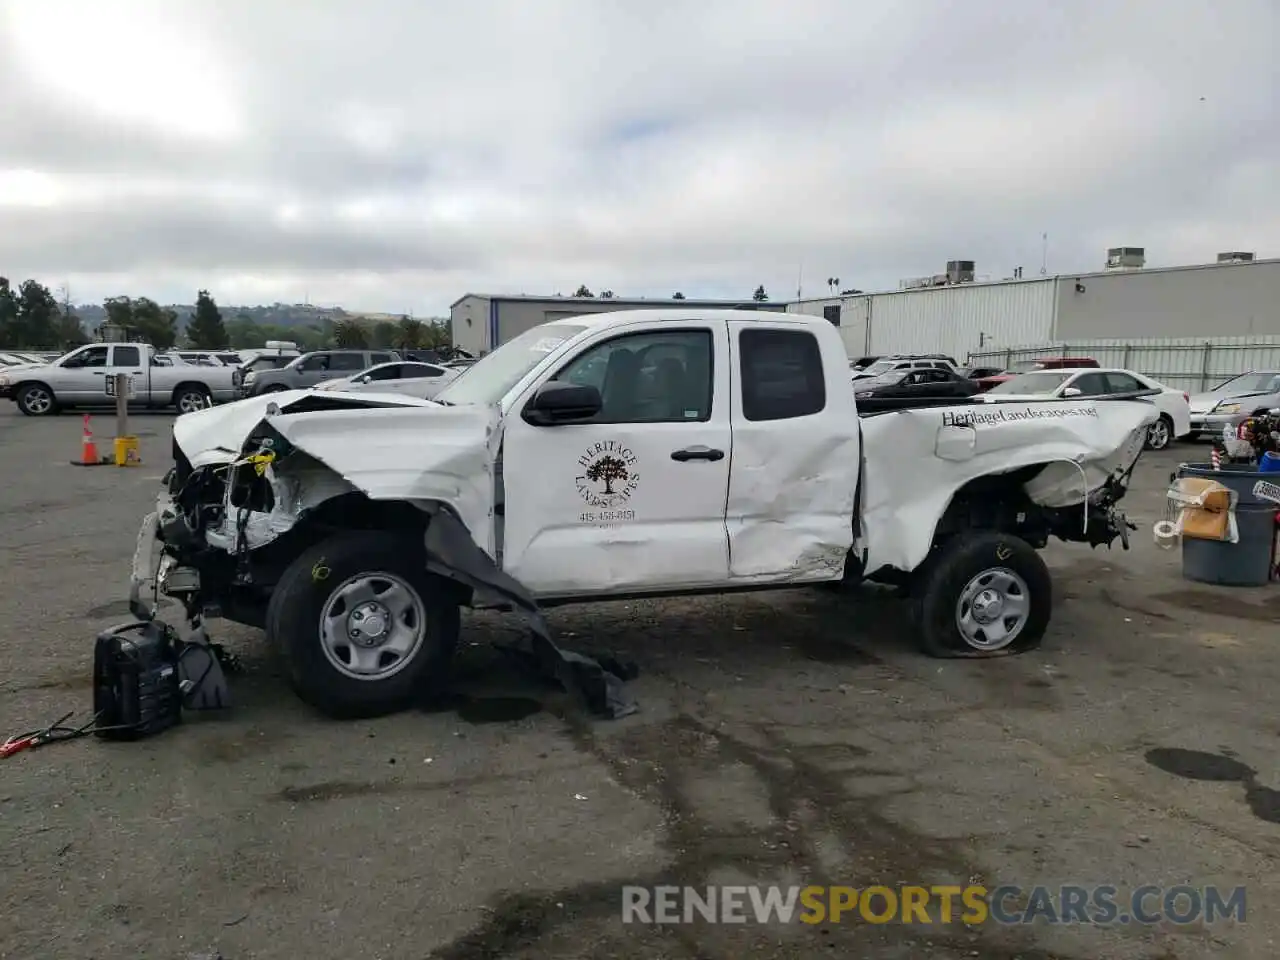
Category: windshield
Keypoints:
(1041, 382)
(884, 380)
(879, 368)
(487, 380)
(1252, 383)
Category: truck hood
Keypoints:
(387, 446)
(217, 434)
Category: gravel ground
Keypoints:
(789, 737)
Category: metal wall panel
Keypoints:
(962, 319)
(1213, 300)
(853, 319)
(1193, 364)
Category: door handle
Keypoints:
(99, 373)
(697, 453)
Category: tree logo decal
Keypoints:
(608, 473)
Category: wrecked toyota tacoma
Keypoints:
(622, 455)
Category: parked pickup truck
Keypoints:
(80, 378)
(630, 454)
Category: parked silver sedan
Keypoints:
(406, 378)
(1229, 403)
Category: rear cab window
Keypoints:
(782, 374)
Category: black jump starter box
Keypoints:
(136, 686)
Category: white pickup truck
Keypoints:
(622, 455)
(80, 377)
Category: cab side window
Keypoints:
(1091, 384)
(126, 357)
(92, 357)
(347, 361)
(652, 377)
(782, 374)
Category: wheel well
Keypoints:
(349, 511)
(189, 385)
(31, 383)
(995, 502)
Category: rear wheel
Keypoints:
(982, 595)
(189, 399)
(363, 628)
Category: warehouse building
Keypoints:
(482, 321)
(1238, 296)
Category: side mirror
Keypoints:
(559, 402)
(1071, 391)
(365, 379)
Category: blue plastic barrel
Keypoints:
(1243, 564)
(1270, 463)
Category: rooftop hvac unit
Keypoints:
(959, 271)
(1126, 258)
(1235, 256)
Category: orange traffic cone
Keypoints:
(88, 449)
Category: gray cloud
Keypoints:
(393, 154)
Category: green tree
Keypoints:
(243, 333)
(119, 311)
(760, 296)
(408, 334)
(156, 324)
(349, 334)
(677, 295)
(37, 315)
(583, 291)
(8, 315)
(206, 328)
(70, 330)
(383, 336)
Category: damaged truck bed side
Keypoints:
(630, 454)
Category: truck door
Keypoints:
(795, 455)
(127, 358)
(634, 499)
(80, 378)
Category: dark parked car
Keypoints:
(976, 373)
(913, 384)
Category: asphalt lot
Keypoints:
(790, 737)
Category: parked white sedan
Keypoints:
(406, 378)
(1175, 405)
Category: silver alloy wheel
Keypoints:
(1158, 435)
(37, 400)
(190, 401)
(372, 626)
(993, 608)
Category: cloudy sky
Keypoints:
(394, 154)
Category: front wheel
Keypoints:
(37, 400)
(363, 628)
(1160, 433)
(982, 595)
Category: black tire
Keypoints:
(941, 583)
(301, 596)
(37, 400)
(1160, 434)
(190, 397)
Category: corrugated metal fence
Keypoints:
(1187, 363)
